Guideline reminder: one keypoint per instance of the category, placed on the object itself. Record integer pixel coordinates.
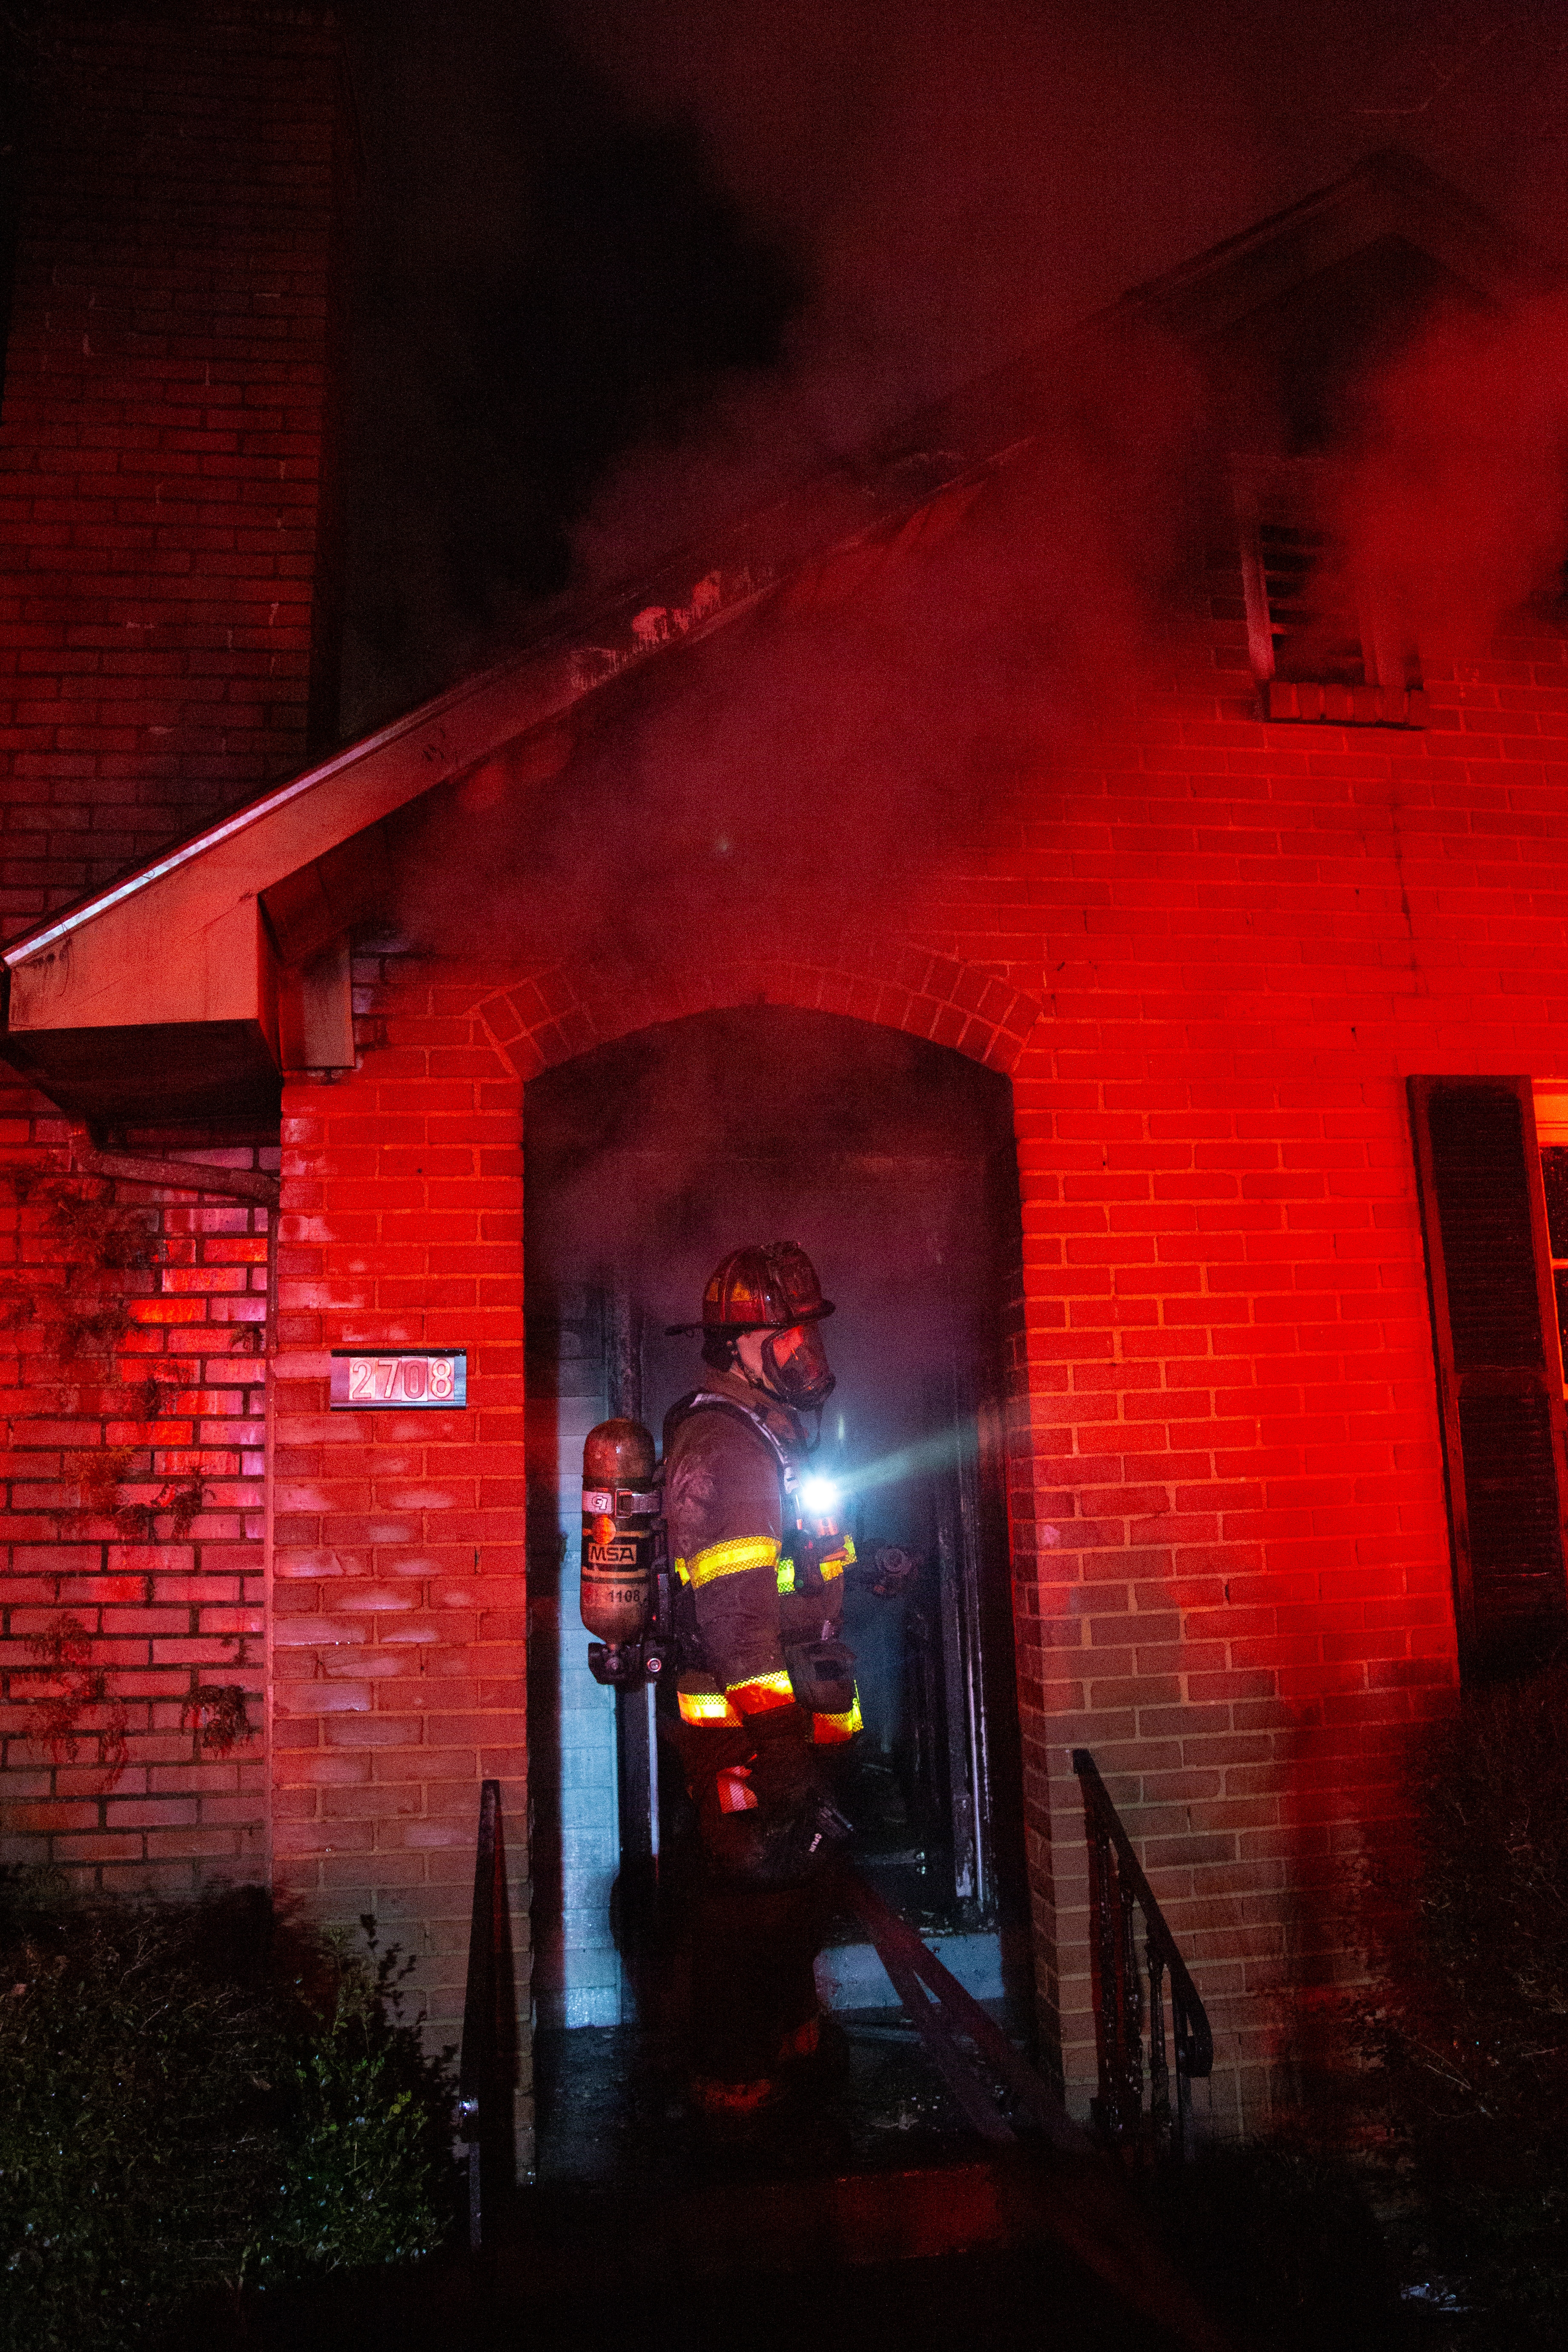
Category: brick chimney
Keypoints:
(168, 603)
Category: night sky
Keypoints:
(623, 269)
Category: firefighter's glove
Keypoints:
(815, 1836)
(776, 1850)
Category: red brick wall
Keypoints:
(399, 1560)
(162, 459)
(132, 1327)
(1230, 1560)
(399, 1541)
(1234, 1566)
(1231, 1563)
(162, 436)
(1207, 951)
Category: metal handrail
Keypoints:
(1118, 1891)
(1086, 2200)
(484, 2074)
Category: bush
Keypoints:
(367, 2139)
(192, 2100)
(1281, 2244)
(1470, 2032)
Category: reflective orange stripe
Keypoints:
(735, 1794)
(833, 1730)
(705, 1706)
(761, 1693)
(732, 1559)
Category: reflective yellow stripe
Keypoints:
(705, 1706)
(761, 1693)
(786, 1574)
(837, 1562)
(832, 1730)
(732, 1559)
(680, 1571)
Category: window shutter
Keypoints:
(1499, 1374)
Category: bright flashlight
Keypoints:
(819, 1496)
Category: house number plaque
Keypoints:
(408, 1380)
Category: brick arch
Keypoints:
(535, 1024)
(571, 1008)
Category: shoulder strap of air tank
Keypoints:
(704, 1401)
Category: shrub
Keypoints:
(1281, 2244)
(192, 2100)
(1469, 2032)
(365, 2139)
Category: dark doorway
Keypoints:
(892, 1161)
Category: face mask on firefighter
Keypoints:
(794, 1363)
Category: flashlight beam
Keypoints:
(933, 1453)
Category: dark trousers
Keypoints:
(751, 1979)
(752, 1950)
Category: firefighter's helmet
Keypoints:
(767, 1288)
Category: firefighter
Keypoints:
(764, 1688)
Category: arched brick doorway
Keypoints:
(893, 1159)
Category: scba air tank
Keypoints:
(620, 1519)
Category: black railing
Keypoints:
(1082, 2192)
(1118, 1891)
(487, 2070)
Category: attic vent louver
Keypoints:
(1324, 641)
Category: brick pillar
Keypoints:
(162, 440)
(399, 1578)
